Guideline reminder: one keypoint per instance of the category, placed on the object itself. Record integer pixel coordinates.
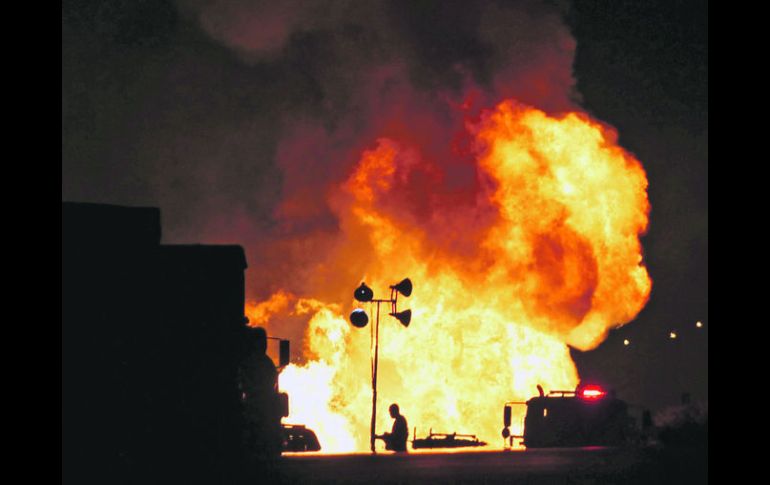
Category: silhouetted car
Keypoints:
(298, 438)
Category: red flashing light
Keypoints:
(592, 392)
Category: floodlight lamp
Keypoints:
(405, 287)
(363, 293)
(404, 317)
(359, 318)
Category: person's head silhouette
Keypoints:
(256, 340)
(260, 339)
(394, 411)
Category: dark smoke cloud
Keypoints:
(237, 117)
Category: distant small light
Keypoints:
(626, 342)
(699, 324)
(672, 335)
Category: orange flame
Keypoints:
(548, 255)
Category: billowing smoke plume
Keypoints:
(407, 71)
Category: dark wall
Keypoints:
(151, 341)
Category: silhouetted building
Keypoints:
(151, 343)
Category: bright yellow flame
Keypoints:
(626, 342)
(672, 335)
(559, 264)
(698, 324)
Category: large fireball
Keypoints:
(545, 255)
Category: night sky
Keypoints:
(643, 67)
(186, 106)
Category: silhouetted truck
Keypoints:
(151, 342)
(587, 416)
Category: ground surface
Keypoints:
(543, 466)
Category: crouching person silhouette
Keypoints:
(396, 439)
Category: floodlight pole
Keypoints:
(374, 375)
(392, 302)
(365, 294)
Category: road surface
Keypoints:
(591, 465)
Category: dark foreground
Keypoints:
(542, 466)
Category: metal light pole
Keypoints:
(372, 430)
(359, 319)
